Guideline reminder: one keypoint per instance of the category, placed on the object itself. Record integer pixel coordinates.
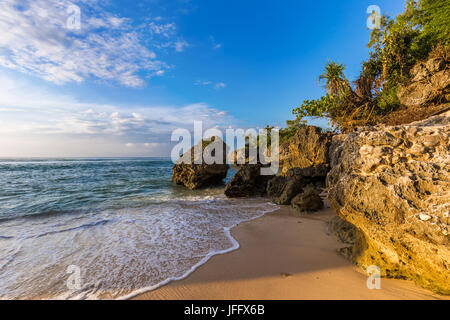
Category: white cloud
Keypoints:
(165, 30)
(180, 45)
(164, 35)
(34, 39)
(34, 121)
(219, 85)
(203, 83)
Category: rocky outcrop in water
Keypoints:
(248, 182)
(194, 176)
(393, 184)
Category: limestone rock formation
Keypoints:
(308, 201)
(308, 148)
(238, 157)
(242, 157)
(393, 184)
(247, 182)
(275, 186)
(335, 151)
(345, 231)
(305, 161)
(282, 190)
(193, 175)
(430, 84)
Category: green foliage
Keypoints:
(292, 127)
(330, 106)
(316, 108)
(395, 48)
(433, 16)
(334, 77)
(333, 103)
(387, 101)
(402, 42)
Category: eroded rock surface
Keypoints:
(194, 176)
(307, 149)
(345, 231)
(282, 190)
(308, 201)
(248, 182)
(430, 84)
(393, 184)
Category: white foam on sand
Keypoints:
(122, 253)
(235, 246)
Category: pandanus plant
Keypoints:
(335, 80)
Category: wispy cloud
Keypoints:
(217, 86)
(165, 30)
(164, 35)
(203, 83)
(35, 39)
(220, 85)
(180, 45)
(215, 45)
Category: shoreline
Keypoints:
(235, 246)
(281, 256)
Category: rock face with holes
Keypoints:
(305, 162)
(308, 201)
(193, 172)
(345, 231)
(282, 190)
(430, 84)
(308, 148)
(393, 184)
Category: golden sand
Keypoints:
(284, 256)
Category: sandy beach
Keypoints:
(284, 256)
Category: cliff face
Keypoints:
(307, 149)
(430, 84)
(305, 163)
(393, 184)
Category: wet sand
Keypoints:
(283, 256)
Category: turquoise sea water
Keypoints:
(120, 222)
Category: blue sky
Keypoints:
(138, 69)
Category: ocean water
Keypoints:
(107, 228)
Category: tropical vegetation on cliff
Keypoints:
(422, 30)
